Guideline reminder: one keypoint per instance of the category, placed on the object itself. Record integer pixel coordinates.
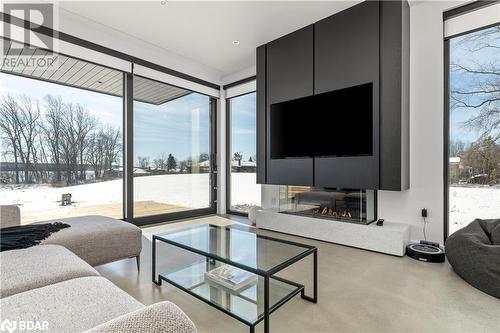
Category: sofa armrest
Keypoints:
(10, 216)
(160, 317)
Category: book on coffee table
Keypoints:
(231, 277)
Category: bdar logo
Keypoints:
(8, 325)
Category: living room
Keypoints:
(183, 166)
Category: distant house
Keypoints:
(454, 169)
(243, 166)
(140, 171)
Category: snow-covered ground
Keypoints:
(186, 190)
(245, 191)
(469, 203)
(192, 191)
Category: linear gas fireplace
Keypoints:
(345, 205)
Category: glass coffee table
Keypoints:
(261, 255)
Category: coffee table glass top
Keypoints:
(255, 252)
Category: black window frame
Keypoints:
(127, 116)
(228, 147)
(452, 13)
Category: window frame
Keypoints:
(449, 14)
(171, 217)
(127, 117)
(229, 151)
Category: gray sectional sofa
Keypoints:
(53, 286)
(96, 239)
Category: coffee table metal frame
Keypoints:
(266, 274)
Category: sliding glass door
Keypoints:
(243, 190)
(172, 172)
(474, 127)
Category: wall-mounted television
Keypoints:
(331, 124)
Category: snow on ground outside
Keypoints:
(245, 190)
(469, 203)
(466, 203)
(187, 190)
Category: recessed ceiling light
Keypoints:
(163, 2)
(236, 42)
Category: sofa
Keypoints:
(474, 254)
(51, 286)
(55, 286)
(96, 239)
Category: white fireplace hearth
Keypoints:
(391, 238)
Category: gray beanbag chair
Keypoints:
(474, 254)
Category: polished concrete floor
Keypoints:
(359, 291)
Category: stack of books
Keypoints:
(231, 278)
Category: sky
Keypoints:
(243, 125)
(460, 53)
(179, 127)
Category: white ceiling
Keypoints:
(203, 31)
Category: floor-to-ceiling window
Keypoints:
(61, 139)
(474, 127)
(243, 190)
(172, 149)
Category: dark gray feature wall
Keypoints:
(346, 54)
(290, 75)
(368, 42)
(394, 95)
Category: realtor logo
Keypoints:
(28, 31)
(8, 325)
(23, 326)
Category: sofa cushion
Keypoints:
(70, 306)
(162, 317)
(39, 266)
(98, 239)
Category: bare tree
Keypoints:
(184, 165)
(52, 128)
(143, 161)
(479, 85)
(66, 138)
(76, 126)
(10, 128)
(112, 147)
(84, 124)
(483, 158)
(69, 152)
(456, 148)
(161, 161)
(96, 154)
(28, 115)
(40, 158)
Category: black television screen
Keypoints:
(335, 123)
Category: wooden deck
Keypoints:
(141, 208)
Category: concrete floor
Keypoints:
(359, 291)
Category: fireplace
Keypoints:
(345, 205)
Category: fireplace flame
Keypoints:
(330, 212)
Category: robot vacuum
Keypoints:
(425, 252)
